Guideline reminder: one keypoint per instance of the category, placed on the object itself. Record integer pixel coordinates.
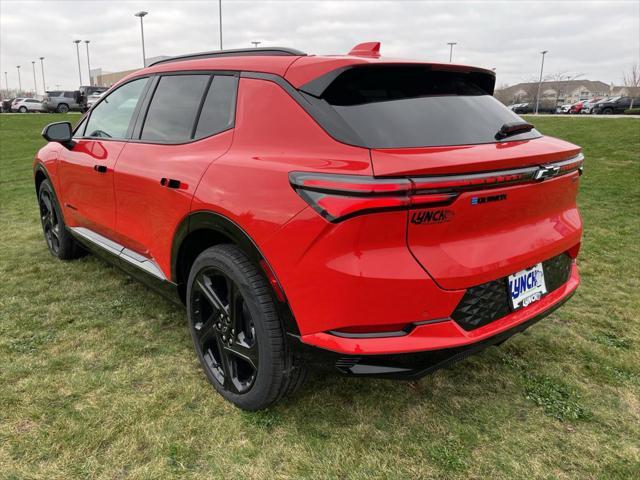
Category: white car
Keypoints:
(93, 98)
(563, 108)
(24, 105)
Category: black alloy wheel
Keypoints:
(225, 331)
(237, 331)
(50, 221)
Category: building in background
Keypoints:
(102, 78)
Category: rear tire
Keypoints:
(62, 108)
(22, 109)
(236, 330)
(59, 241)
(607, 111)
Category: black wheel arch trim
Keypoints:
(212, 221)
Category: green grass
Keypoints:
(98, 378)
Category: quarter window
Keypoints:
(111, 118)
(219, 107)
(174, 107)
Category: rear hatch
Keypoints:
(510, 193)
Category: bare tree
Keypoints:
(632, 78)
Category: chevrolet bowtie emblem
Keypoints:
(547, 171)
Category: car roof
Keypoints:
(295, 66)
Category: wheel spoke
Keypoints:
(47, 203)
(226, 364)
(204, 285)
(248, 353)
(205, 331)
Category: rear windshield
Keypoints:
(415, 106)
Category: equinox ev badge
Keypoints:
(431, 216)
(488, 198)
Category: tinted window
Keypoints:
(69, 95)
(219, 107)
(54, 94)
(414, 106)
(174, 107)
(111, 118)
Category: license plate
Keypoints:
(526, 286)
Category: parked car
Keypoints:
(563, 108)
(62, 101)
(523, 108)
(615, 105)
(87, 92)
(93, 98)
(27, 105)
(244, 187)
(14, 103)
(577, 107)
(588, 105)
(6, 104)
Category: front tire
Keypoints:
(236, 330)
(22, 109)
(62, 108)
(59, 241)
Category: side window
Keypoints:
(111, 118)
(219, 107)
(69, 95)
(174, 107)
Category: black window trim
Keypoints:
(137, 130)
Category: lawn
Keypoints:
(98, 377)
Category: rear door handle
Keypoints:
(100, 168)
(170, 182)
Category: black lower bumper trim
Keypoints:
(406, 366)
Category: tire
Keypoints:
(59, 241)
(240, 343)
(62, 108)
(23, 109)
(607, 111)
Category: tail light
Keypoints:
(338, 197)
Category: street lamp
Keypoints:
(544, 52)
(141, 15)
(451, 44)
(255, 44)
(44, 85)
(220, 20)
(6, 82)
(19, 81)
(77, 42)
(86, 42)
(35, 84)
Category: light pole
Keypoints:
(220, 20)
(6, 82)
(544, 52)
(77, 42)
(86, 42)
(451, 44)
(35, 84)
(44, 85)
(19, 81)
(255, 44)
(141, 15)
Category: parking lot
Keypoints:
(99, 379)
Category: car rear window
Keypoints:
(413, 106)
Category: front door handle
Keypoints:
(170, 182)
(100, 168)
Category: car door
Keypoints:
(187, 125)
(86, 169)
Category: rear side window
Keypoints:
(219, 106)
(174, 108)
(69, 95)
(413, 106)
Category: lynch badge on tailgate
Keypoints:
(440, 215)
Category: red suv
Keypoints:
(378, 217)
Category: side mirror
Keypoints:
(59, 132)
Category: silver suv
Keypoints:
(62, 101)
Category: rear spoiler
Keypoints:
(483, 78)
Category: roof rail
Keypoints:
(242, 52)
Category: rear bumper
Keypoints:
(427, 346)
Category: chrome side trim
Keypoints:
(141, 262)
